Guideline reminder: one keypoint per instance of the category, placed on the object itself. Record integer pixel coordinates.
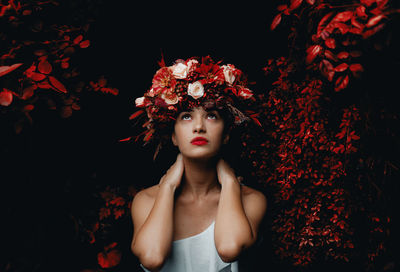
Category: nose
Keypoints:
(198, 125)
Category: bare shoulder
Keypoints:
(149, 192)
(142, 204)
(252, 197)
(145, 196)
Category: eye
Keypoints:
(186, 116)
(212, 116)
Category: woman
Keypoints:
(199, 217)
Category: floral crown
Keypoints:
(191, 83)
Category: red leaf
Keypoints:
(64, 65)
(125, 139)
(374, 20)
(372, 31)
(343, 16)
(6, 97)
(7, 69)
(44, 67)
(326, 69)
(78, 39)
(343, 28)
(341, 83)
(281, 7)
(148, 135)
(28, 92)
(109, 259)
(256, 120)
(355, 54)
(294, 4)
(323, 23)
(357, 24)
(37, 76)
(85, 44)
(276, 21)
(368, 2)
(28, 107)
(44, 84)
(102, 82)
(57, 84)
(331, 43)
(381, 3)
(112, 91)
(360, 11)
(330, 55)
(136, 114)
(311, 2)
(312, 53)
(343, 55)
(356, 69)
(66, 111)
(341, 67)
(110, 246)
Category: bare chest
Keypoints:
(194, 218)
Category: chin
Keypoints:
(200, 154)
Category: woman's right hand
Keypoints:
(174, 174)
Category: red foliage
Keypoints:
(36, 54)
(115, 207)
(109, 257)
(306, 155)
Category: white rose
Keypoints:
(139, 101)
(170, 99)
(196, 89)
(179, 70)
(228, 73)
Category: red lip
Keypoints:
(199, 141)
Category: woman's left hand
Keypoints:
(225, 172)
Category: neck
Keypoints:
(200, 178)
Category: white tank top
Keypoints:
(196, 254)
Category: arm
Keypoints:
(237, 219)
(153, 220)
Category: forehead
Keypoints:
(200, 109)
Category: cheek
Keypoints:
(218, 134)
(180, 134)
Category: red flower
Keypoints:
(163, 81)
(210, 72)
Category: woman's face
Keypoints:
(198, 133)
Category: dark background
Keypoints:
(51, 170)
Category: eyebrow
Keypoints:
(207, 110)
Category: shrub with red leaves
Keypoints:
(314, 154)
(38, 43)
(112, 210)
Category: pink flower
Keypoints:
(196, 90)
(170, 98)
(192, 65)
(179, 70)
(230, 73)
(163, 80)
